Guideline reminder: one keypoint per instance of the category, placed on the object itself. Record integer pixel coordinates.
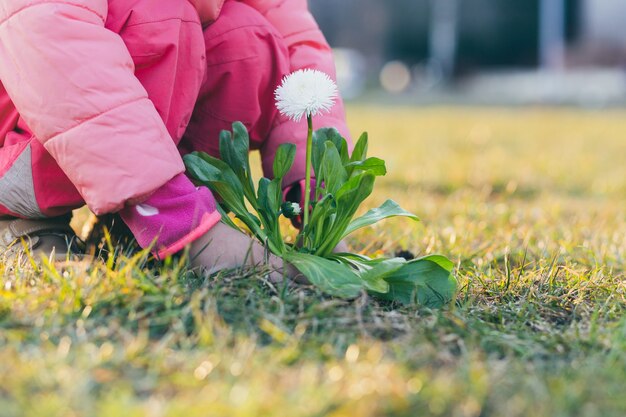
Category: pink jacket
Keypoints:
(80, 98)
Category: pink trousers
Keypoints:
(245, 60)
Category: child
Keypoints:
(100, 98)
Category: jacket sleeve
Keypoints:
(72, 80)
(307, 49)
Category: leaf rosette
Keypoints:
(343, 182)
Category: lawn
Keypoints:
(529, 203)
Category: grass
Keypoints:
(528, 202)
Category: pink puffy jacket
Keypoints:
(80, 98)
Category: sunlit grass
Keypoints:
(529, 203)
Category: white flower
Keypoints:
(305, 93)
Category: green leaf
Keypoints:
(209, 169)
(360, 149)
(263, 198)
(375, 276)
(343, 152)
(357, 188)
(330, 134)
(322, 219)
(359, 153)
(332, 277)
(241, 142)
(371, 271)
(235, 151)
(320, 137)
(349, 197)
(226, 218)
(269, 204)
(270, 197)
(229, 154)
(200, 170)
(374, 165)
(317, 151)
(323, 208)
(283, 160)
(388, 209)
(427, 281)
(332, 174)
(220, 178)
(268, 209)
(227, 151)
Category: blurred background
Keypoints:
(570, 52)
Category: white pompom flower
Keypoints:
(305, 93)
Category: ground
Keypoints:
(530, 205)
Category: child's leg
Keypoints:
(246, 61)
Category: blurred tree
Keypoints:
(357, 24)
(407, 35)
(497, 33)
(491, 33)
(443, 37)
(552, 34)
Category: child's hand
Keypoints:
(222, 247)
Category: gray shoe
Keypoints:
(52, 238)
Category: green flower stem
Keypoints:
(307, 183)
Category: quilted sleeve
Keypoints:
(72, 80)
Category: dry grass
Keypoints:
(528, 202)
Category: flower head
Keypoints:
(305, 93)
(291, 210)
